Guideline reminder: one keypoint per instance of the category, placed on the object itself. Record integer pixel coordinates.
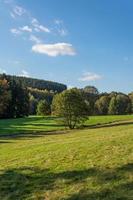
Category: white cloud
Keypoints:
(24, 74)
(39, 27)
(34, 21)
(43, 28)
(26, 28)
(54, 49)
(88, 76)
(15, 31)
(19, 11)
(35, 39)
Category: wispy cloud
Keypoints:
(39, 27)
(26, 28)
(35, 39)
(34, 26)
(54, 49)
(15, 31)
(60, 27)
(89, 76)
(24, 74)
(20, 30)
(18, 10)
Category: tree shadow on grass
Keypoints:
(31, 135)
(18, 132)
(26, 182)
(4, 142)
(120, 192)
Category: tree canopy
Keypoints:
(71, 106)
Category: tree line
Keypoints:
(38, 83)
(114, 103)
(19, 100)
(75, 105)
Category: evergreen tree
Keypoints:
(5, 97)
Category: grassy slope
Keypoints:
(93, 164)
(35, 124)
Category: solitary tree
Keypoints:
(43, 108)
(70, 105)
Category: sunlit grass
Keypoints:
(35, 124)
(90, 164)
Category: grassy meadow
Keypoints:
(38, 124)
(40, 160)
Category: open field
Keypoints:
(90, 164)
(35, 124)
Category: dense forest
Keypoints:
(20, 97)
(37, 83)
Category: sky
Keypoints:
(75, 42)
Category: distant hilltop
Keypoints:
(38, 83)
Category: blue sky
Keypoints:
(79, 43)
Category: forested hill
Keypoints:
(38, 83)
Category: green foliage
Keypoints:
(18, 99)
(32, 105)
(37, 83)
(120, 104)
(43, 108)
(71, 106)
(91, 90)
(131, 100)
(42, 94)
(112, 106)
(5, 97)
(19, 105)
(101, 105)
(90, 94)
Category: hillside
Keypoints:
(38, 83)
(90, 164)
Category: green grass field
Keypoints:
(35, 124)
(39, 160)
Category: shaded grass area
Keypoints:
(37, 125)
(23, 182)
(90, 164)
(32, 124)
